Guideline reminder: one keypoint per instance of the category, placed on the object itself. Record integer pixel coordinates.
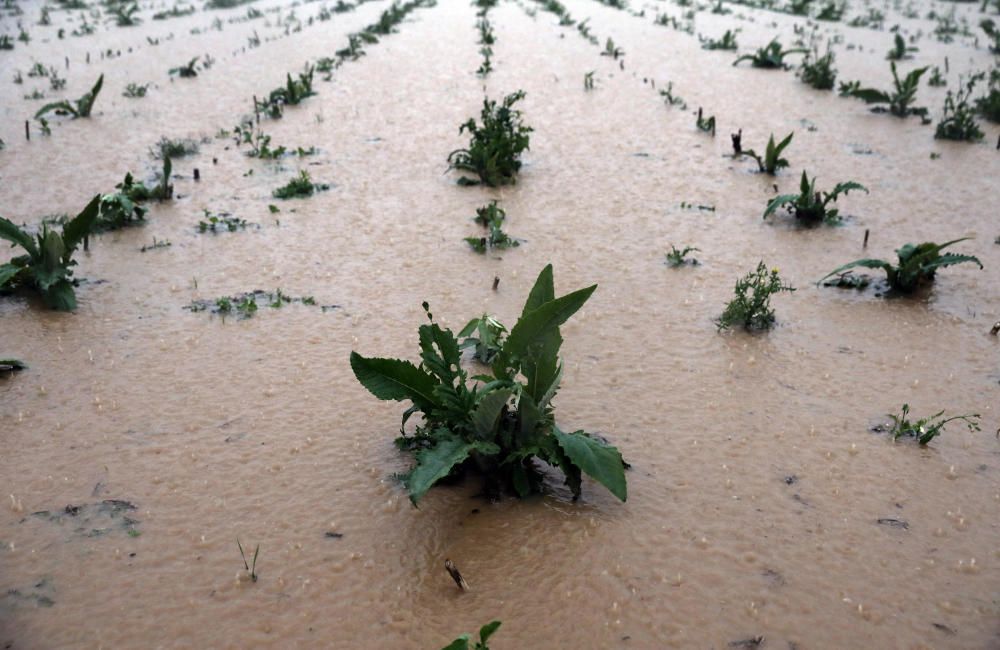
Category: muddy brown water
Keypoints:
(756, 486)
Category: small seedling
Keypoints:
(772, 160)
(936, 79)
(899, 50)
(670, 98)
(222, 221)
(79, 108)
(917, 265)
(47, 266)
(488, 341)
(810, 205)
(125, 15)
(187, 70)
(751, 306)
(832, 12)
(705, 124)
(612, 51)
(135, 91)
(678, 257)
(492, 217)
(727, 42)
(588, 80)
(485, 632)
(771, 56)
(495, 147)
(251, 569)
(926, 429)
(292, 93)
(958, 120)
(167, 148)
(899, 99)
(299, 187)
(818, 71)
(499, 423)
(990, 27)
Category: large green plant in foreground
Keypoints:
(917, 264)
(500, 421)
(47, 265)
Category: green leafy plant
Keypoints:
(936, 79)
(705, 124)
(670, 99)
(727, 42)
(917, 265)
(809, 204)
(79, 108)
(298, 187)
(818, 71)
(831, 11)
(611, 50)
(485, 632)
(135, 91)
(899, 50)
(770, 56)
(292, 93)
(187, 70)
(500, 423)
(120, 209)
(751, 306)
(989, 104)
(222, 221)
(176, 148)
(124, 15)
(898, 100)
(678, 257)
(495, 147)
(47, 265)
(990, 27)
(926, 429)
(491, 217)
(958, 120)
(772, 160)
(588, 80)
(488, 339)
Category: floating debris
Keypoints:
(895, 523)
(456, 575)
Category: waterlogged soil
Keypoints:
(762, 509)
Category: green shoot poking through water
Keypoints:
(771, 56)
(751, 307)
(485, 632)
(772, 160)
(500, 423)
(79, 108)
(299, 187)
(917, 265)
(251, 569)
(926, 429)
(496, 145)
(492, 217)
(488, 339)
(810, 205)
(898, 100)
(47, 266)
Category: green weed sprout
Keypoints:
(771, 56)
(78, 108)
(917, 265)
(485, 632)
(810, 205)
(772, 160)
(500, 423)
(751, 306)
(926, 429)
(495, 147)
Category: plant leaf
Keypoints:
(534, 327)
(395, 379)
(13, 234)
(461, 643)
(60, 296)
(80, 226)
(8, 272)
(779, 201)
(435, 463)
(601, 462)
(542, 292)
(484, 418)
(486, 631)
(871, 95)
(866, 263)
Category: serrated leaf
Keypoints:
(779, 201)
(601, 462)
(865, 263)
(435, 463)
(395, 379)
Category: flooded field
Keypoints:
(766, 506)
